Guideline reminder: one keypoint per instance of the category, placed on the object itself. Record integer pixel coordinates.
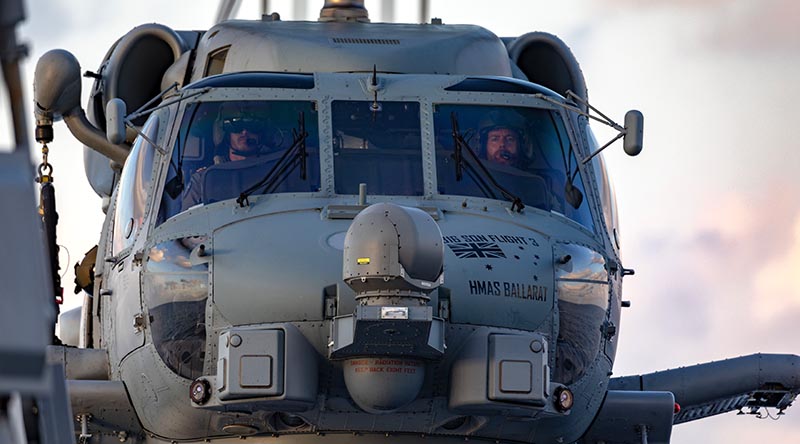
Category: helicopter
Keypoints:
(521, 273)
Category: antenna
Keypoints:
(373, 86)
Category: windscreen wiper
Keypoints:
(459, 146)
(460, 166)
(291, 158)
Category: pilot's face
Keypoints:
(244, 138)
(502, 146)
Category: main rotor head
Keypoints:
(344, 11)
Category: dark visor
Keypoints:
(239, 124)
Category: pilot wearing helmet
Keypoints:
(242, 133)
(501, 135)
(239, 133)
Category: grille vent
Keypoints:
(359, 41)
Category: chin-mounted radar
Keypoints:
(393, 259)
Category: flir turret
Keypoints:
(393, 255)
(393, 259)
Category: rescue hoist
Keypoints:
(47, 211)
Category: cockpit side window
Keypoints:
(134, 187)
(215, 63)
(225, 148)
(175, 293)
(525, 150)
(606, 188)
(378, 146)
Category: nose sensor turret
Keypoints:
(393, 259)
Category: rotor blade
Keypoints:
(226, 10)
(300, 10)
(387, 11)
(424, 14)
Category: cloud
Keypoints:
(776, 281)
(747, 26)
(741, 26)
(157, 254)
(737, 233)
(746, 248)
(719, 289)
(687, 4)
(183, 261)
(726, 287)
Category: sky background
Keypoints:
(710, 211)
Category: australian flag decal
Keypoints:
(472, 250)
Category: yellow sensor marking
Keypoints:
(362, 261)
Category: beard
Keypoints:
(245, 143)
(504, 157)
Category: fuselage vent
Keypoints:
(360, 41)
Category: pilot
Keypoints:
(501, 137)
(240, 131)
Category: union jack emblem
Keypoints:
(472, 250)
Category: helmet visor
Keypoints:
(239, 124)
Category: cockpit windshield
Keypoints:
(225, 148)
(379, 144)
(522, 153)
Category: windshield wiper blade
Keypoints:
(457, 138)
(459, 145)
(298, 140)
(485, 188)
(461, 165)
(296, 154)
